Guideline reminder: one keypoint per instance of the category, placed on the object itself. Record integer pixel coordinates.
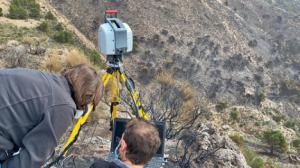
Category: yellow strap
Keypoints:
(112, 91)
(114, 113)
(118, 87)
(78, 125)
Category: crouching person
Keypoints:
(36, 108)
(139, 143)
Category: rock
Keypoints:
(207, 149)
(12, 43)
(37, 50)
(249, 91)
(226, 127)
(229, 159)
(294, 159)
(16, 56)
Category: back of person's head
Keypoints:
(142, 139)
(86, 85)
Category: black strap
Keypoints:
(5, 155)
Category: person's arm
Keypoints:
(100, 164)
(40, 142)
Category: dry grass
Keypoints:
(165, 79)
(187, 92)
(29, 40)
(59, 59)
(190, 102)
(53, 63)
(75, 57)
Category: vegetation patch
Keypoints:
(261, 97)
(221, 106)
(56, 31)
(235, 115)
(238, 139)
(275, 140)
(49, 16)
(24, 9)
(1, 14)
(278, 118)
(44, 27)
(253, 160)
(11, 32)
(63, 37)
(95, 58)
(291, 124)
(296, 144)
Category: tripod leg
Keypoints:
(114, 92)
(134, 95)
(106, 78)
(115, 95)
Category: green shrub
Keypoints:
(17, 12)
(275, 140)
(278, 118)
(252, 159)
(49, 16)
(63, 37)
(23, 9)
(59, 27)
(249, 154)
(290, 124)
(95, 57)
(221, 106)
(296, 143)
(44, 27)
(256, 163)
(239, 140)
(1, 14)
(261, 97)
(35, 11)
(235, 115)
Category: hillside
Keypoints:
(229, 50)
(242, 56)
(222, 73)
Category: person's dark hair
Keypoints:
(142, 139)
(86, 85)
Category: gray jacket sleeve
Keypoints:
(41, 141)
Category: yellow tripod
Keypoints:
(115, 71)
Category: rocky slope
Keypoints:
(232, 52)
(229, 50)
(238, 56)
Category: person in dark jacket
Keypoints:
(139, 143)
(36, 108)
